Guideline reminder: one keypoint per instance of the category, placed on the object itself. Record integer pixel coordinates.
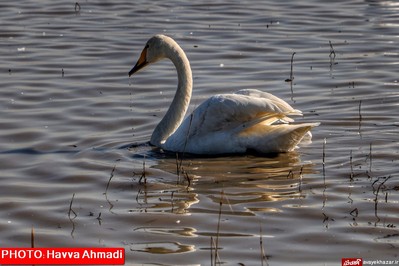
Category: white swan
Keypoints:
(226, 123)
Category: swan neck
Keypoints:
(178, 108)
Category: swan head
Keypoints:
(153, 51)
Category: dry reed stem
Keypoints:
(324, 151)
(360, 115)
(214, 258)
(211, 244)
(290, 174)
(332, 56)
(300, 179)
(324, 160)
(351, 164)
(324, 176)
(180, 170)
(179, 165)
(370, 157)
(218, 226)
(263, 257)
(292, 69)
(32, 238)
(188, 179)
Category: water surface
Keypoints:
(73, 127)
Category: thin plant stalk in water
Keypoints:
(292, 69)
(263, 257)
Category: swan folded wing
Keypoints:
(282, 105)
(229, 111)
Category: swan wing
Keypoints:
(275, 102)
(242, 109)
(229, 123)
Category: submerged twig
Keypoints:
(109, 180)
(326, 219)
(69, 215)
(70, 209)
(332, 55)
(143, 174)
(99, 219)
(332, 51)
(354, 212)
(77, 7)
(111, 206)
(376, 192)
(300, 179)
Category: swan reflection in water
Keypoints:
(247, 186)
(245, 181)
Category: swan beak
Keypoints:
(142, 62)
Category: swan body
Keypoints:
(225, 123)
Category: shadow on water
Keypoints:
(33, 151)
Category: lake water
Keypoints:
(74, 128)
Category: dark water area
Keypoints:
(74, 127)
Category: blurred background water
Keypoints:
(74, 128)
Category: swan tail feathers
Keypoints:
(275, 138)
